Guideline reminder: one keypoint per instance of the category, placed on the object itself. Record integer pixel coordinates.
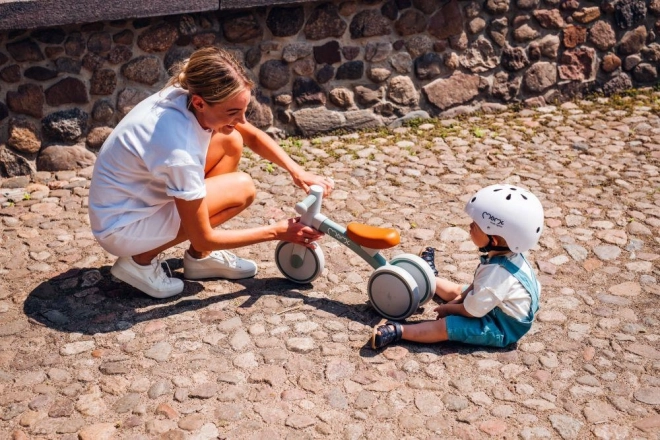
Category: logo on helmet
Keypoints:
(494, 220)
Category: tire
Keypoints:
(420, 271)
(313, 262)
(393, 292)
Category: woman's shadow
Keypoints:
(89, 301)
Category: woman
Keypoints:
(168, 173)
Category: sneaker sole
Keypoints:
(217, 273)
(121, 274)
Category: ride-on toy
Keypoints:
(396, 288)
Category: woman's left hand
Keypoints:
(306, 179)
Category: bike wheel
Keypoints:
(420, 271)
(393, 292)
(301, 272)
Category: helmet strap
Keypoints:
(491, 246)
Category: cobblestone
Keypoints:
(85, 356)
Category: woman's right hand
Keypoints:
(293, 231)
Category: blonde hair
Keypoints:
(212, 73)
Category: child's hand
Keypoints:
(442, 311)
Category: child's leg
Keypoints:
(445, 289)
(448, 290)
(389, 332)
(427, 331)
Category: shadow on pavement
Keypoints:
(438, 348)
(88, 301)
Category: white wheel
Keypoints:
(299, 269)
(420, 271)
(393, 292)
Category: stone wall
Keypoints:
(321, 66)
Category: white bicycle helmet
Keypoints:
(511, 212)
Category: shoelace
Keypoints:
(158, 269)
(226, 257)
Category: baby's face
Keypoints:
(478, 236)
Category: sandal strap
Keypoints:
(397, 329)
(384, 335)
(428, 255)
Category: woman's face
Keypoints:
(478, 236)
(221, 117)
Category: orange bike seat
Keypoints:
(372, 237)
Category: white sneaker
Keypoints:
(220, 264)
(150, 279)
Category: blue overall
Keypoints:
(496, 328)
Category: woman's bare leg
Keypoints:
(221, 164)
(225, 151)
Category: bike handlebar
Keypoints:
(302, 207)
(310, 208)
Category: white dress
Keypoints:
(156, 153)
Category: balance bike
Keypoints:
(396, 288)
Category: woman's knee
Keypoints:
(247, 187)
(224, 153)
(233, 144)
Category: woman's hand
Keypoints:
(305, 179)
(295, 232)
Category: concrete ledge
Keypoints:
(30, 14)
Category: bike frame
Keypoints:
(310, 215)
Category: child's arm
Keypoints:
(445, 310)
(462, 295)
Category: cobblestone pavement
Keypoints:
(85, 356)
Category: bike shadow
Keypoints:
(89, 301)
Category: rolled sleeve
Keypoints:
(185, 182)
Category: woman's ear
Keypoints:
(197, 102)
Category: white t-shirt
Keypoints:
(157, 152)
(494, 287)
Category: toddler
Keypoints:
(498, 308)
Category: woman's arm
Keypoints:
(203, 237)
(263, 145)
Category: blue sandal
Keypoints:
(385, 333)
(428, 255)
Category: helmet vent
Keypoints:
(508, 197)
(523, 196)
(496, 190)
(473, 199)
(538, 229)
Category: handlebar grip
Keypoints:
(302, 207)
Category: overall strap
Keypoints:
(528, 283)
